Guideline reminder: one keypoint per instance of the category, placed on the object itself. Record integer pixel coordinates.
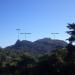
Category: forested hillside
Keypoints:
(14, 63)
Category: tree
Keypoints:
(71, 47)
(71, 32)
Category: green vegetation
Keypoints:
(58, 62)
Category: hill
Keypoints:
(45, 45)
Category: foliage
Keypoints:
(71, 32)
(48, 64)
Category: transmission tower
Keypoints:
(54, 34)
(25, 34)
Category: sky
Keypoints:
(38, 17)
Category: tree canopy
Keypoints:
(71, 32)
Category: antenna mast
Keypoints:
(18, 30)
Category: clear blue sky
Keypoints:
(40, 17)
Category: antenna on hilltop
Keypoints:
(18, 30)
(25, 34)
(54, 34)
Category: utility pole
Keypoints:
(25, 34)
(54, 34)
(18, 32)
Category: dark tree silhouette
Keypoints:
(71, 32)
(71, 48)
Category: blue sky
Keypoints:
(39, 17)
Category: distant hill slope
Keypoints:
(44, 45)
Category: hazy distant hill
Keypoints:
(44, 45)
(47, 44)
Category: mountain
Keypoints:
(44, 45)
(47, 44)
